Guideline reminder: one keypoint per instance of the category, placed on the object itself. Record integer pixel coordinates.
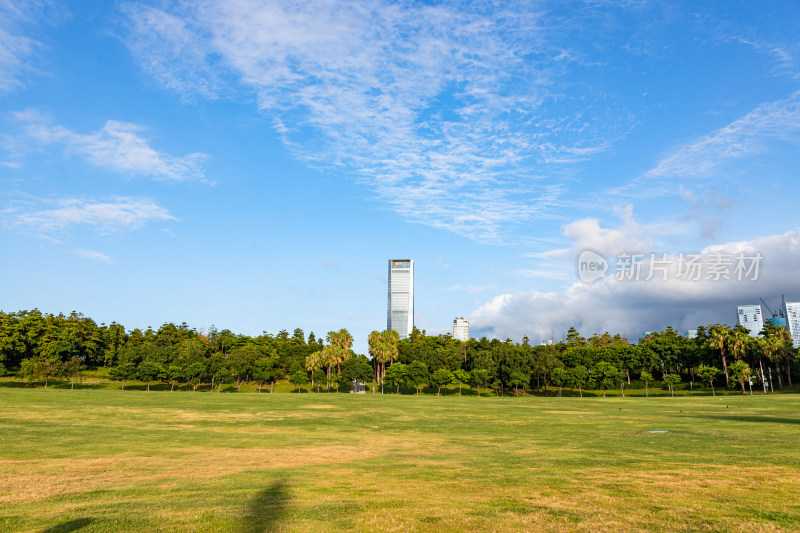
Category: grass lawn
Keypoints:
(107, 460)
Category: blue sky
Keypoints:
(253, 164)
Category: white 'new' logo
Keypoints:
(591, 266)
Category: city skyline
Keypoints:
(251, 165)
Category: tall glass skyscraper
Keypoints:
(792, 310)
(400, 306)
(751, 318)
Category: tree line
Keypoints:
(44, 347)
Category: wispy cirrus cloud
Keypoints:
(742, 137)
(117, 146)
(93, 255)
(442, 110)
(751, 135)
(19, 21)
(51, 217)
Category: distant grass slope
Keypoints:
(101, 460)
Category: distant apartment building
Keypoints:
(793, 321)
(750, 317)
(461, 329)
(400, 304)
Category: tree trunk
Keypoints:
(646, 390)
(459, 389)
(72, 384)
(148, 386)
(172, 388)
(580, 391)
(725, 367)
(741, 382)
(789, 373)
(777, 371)
(604, 393)
(123, 385)
(712, 388)
(628, 373)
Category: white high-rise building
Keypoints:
(793, 321)
(400, 305)
(751, 318)
(461, 329)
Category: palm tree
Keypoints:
(343, 340)
(329, 357)
(718, 337)
(391, 337)
(313, 364)
(787, 350)
(737, 341)
(375, 348)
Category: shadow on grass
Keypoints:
(72, 525)
(266, 509)
(750, 418)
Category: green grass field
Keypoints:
(105, 460)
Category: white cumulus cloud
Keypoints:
(633, 306)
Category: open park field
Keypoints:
(105, 460)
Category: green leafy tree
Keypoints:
(579, 378)
(740, 371)
(560, 378)
(298, 378)
(647, 377)
(149, 371)
(357, 369)
(460, 378)
(123, 372)
(195, 373)
(71, 369)
(175, 374)
(707, 374)
(41, 369)
(319, 377)
(334, 380)
(605, 376)
(396, 375)
(264, 368)
(480, 378)
(224, 375)
(417, 374)
(671, 380)
(440, 378)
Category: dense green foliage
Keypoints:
(42, 347)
